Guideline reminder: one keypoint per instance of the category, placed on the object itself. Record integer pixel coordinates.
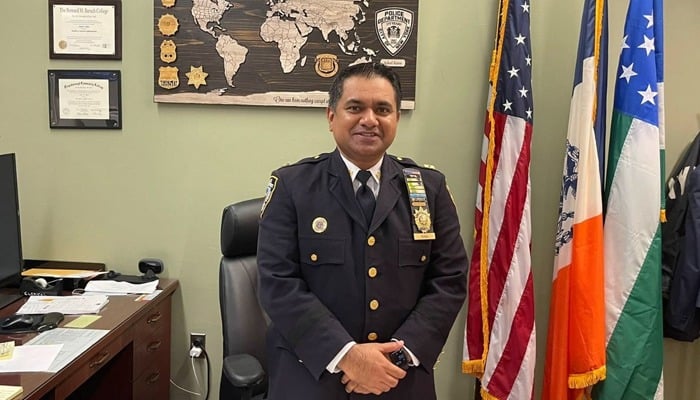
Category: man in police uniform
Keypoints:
(361, 293)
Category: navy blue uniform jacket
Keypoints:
(317, 286)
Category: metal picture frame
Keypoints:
(85, 29)
(85, 99)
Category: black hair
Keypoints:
(367, 70)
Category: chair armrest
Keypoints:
(243, 370)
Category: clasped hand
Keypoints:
(367, 369)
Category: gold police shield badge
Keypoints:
(168, 52)
(168, 24)
(394, 26)
(196, 76)
(168, 78)
(326, 65)
(421, 216)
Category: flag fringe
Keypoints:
(473, 367)
(486, 214)
(487, 396)
(581, 381)
(662, 217)
(598, 32)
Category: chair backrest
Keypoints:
(243, 321)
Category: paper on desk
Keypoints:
(63, 304)
(31, 358)
(62, 273)
(82, 321)
(75, 342)
(117, 288)
(9, 392)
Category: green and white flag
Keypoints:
(633, 204)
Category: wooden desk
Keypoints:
(131, 362)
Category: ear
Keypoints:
(330, 115)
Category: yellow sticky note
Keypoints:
(82, 321)
(6, 350)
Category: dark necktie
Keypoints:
(365, 196)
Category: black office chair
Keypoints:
(243, 321)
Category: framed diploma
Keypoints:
(89, 29)
(85, 99)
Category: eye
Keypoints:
(384, 110)
(353, 108)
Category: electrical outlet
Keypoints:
(199, 340)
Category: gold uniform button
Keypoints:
(314, 257)
(372, 336)
(423, 258)
(372, 272)
(373, 305)
(371, 241)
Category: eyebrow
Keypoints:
(380, 103)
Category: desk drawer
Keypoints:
(156, 320)
(153, 383)
(152, 338)
(149, 350)
(100, 361)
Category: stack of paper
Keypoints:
(120, 288)
(31, 358)
(72, 342)
(8, 392)
(62, 273)
(63, 304)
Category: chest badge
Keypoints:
(418, 199)
(421, 217)
(319, 225)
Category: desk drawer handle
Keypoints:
(153, 346)
(153, 378)
(154, 318)
(102, 357)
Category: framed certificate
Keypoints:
(89, 29)
(85, 99)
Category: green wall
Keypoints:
(157, 187)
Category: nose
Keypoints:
(369, 118)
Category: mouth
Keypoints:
(366, 134)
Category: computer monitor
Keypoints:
(10, 235)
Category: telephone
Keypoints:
(25, 323)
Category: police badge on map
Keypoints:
(394, 27)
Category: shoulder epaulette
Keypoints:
(410, 163)
(310, 160)
(404, 161)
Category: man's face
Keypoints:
(364, 120)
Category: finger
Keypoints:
(361, 390)
(391, 383)
(349, 387)
(344, 379)
(389, 347)
(396, 372)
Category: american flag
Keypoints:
(499, 339)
